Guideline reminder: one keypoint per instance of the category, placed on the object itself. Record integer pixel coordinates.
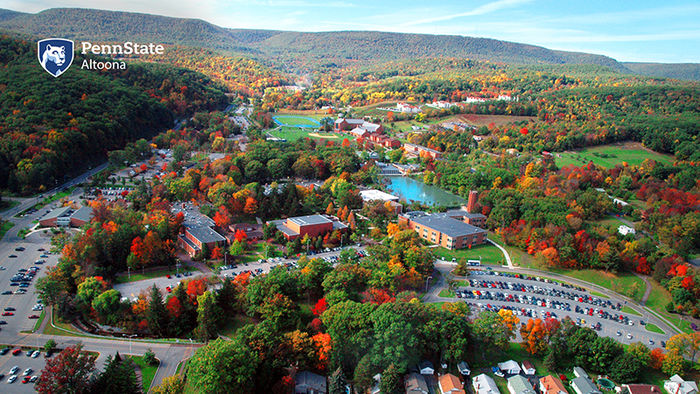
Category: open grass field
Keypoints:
(295, 133)
(295, 120)
(626, 284)
(657, 301)
(488, 254)
(610, 155)
(135, 275)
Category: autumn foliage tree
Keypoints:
(67, 372)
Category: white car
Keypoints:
(12, 379)
(27, 372)
(14, 370)
(629, 336)
(36, 354)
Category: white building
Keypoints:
(484, 384)
(676, 385)
(509, 367)
(624, 230)
(407, 108)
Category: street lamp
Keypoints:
(426, 282)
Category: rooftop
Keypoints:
(520, 385)
(585, 385)
(205, 234)
(57, 213)
(447, 225)
(374, 194)
(84, 214)
(309, 220)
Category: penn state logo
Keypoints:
(55, 55)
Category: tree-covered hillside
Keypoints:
(287, 48)
(52, 127)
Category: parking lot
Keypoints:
(532, 297)
(22, 362)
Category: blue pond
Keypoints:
(409, 189)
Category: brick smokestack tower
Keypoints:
(471, 203)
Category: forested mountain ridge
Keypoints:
(688, 71)
(341, 47)
(52, 127)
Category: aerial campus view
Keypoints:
(478, 196)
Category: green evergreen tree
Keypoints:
(155, 313)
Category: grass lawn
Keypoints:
(147, 371)
(609, 155)
(626, 284)
(234, 324)
(488, 254)
(446, 293)
(50, 330)
(657, 301)
(295, 133)
(599, 295)
(295, 120)
(7, 204)
(39, 321)
(136, 276)
(5, 227)
(626, 309)
(517, 256)
(654, 328)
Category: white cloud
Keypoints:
(480, 10)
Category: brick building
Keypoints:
(193, 239)
(343, 124)
(313, 225)
(66, 216)
(475, 219)
(441, 229)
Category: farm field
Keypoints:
(610, 155)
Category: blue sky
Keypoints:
(627, 30)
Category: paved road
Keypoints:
(11, 334)
(133, 289)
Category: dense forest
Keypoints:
(52, 127)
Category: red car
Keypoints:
(168, 276)
(168, 289)
(8, 314)
(16, 351)
(33, 316)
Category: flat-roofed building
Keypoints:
(313, 225)
(195, 237)
(440, 229)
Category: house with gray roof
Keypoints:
(518, 384)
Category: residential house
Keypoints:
(528, 367)
(583, 384)
(450, 384)
(440, 229)
(306, 382)
(624, 230)
(510, 367)
(313, 225)
(415, 384)
(484, 384)
(676, 385)
(642, 388)
(580, 372)
(426, 368)
(463, 368)
(518, 384)
(552, 385)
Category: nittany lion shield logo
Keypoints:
(55, 55)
